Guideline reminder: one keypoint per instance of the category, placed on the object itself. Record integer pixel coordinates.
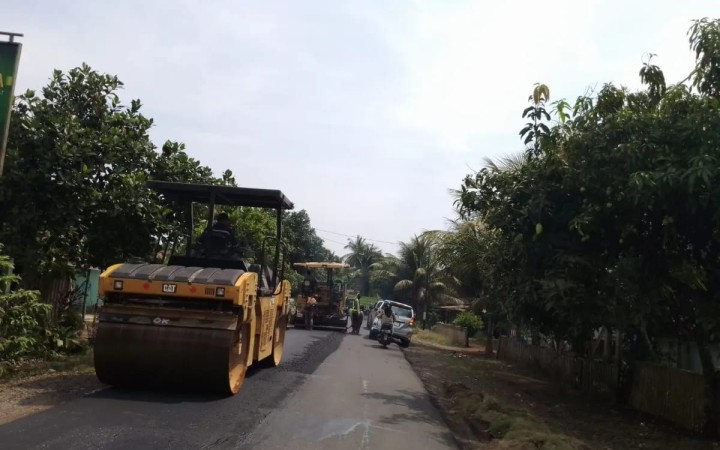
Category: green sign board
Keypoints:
(9, 59)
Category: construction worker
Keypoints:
(310, 310)
(356, 317)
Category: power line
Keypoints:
(330, 240)
(348, 236)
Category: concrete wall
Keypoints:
(88, 283)
(455, 333)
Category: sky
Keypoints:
(364, 113)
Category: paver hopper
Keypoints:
(202, 319)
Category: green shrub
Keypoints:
(23, 317)
(471, 322)
(26, 325)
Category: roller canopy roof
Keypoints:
(322, 265)
(224, 195)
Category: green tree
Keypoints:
(362, 256)
(384, 276)
(75, 186)
(611, 219)
(471, 322)
(422, 277)
(73, 193)
(304, 243)
(466, 253)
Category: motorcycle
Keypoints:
(385, 336)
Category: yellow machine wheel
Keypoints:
(238, 361)
(133, 355)
(278, 343)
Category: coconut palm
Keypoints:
(462, 250)
(362, 256)
(423, 278)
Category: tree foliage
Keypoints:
(27, 328)
(610, 218)
(423, 280)
(74, 195)
(471, 322)
(74, 192)
(304, 243)
(363, 257)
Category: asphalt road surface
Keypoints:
(332, 391)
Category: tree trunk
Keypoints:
(489, 340)
(362, 283)
(606, 343)
(648, 343)
(30, 275)
(467, 337)
(711, 412)
(625, 369)
(534, 337)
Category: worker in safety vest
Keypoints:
(356, 318)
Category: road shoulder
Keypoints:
(42, 385)
(492, 405)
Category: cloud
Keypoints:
(364, 113)
(474, 63)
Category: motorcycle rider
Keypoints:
(386, 315)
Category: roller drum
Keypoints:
(191, 358)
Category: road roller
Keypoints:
(202, 317)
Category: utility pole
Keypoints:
(9, 60)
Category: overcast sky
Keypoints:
(364, 113)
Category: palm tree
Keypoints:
(509, 163)
(462, 250)
(422, 276)
(362, 257)
(384, 275)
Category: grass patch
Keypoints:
(432, 337)
(501, 422)
(368, 301)
(490, 404)
(79, 363)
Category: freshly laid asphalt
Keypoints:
(332, 391)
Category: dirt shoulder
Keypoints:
(491, 405)
(38, 386)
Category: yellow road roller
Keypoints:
(201, 319)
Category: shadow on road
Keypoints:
(158, 393)
(167, 396)
(419, 409)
